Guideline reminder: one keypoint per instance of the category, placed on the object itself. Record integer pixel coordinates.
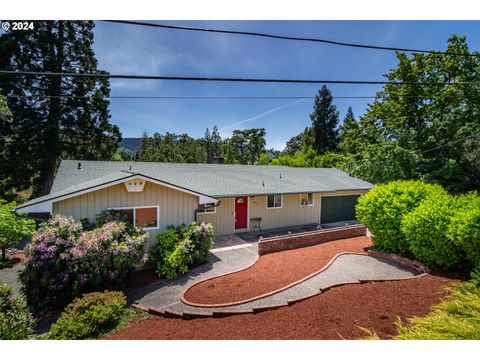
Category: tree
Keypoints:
(247, 145)
(324, 122)
(47, 127)
(299, 142)
(216, 142)
(264, 159)
(208, 145)
(13, 227)
(349, 133)
(437, 125)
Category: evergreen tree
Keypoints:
(208, 145)
(47, 127)
(216, 142)
(349, 133)
(324, 122)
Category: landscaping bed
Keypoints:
(272, 272)
(338, 313)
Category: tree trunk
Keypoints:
(52, 137)
(4, 254)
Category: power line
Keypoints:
(207, 97)
(451, 142)
(227, 79)
(283, 37)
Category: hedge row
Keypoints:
(422, 220)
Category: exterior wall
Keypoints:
(291, 213)
(175, 207)
(223, 219)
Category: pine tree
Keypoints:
(349, 133)
(324, 122)
(47, 127)
(216, 142)
(208, 145)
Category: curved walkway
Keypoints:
(346, 268)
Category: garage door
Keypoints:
(338, 208)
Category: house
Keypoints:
(235, 198)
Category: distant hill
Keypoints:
(130, 145)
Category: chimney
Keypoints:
(217, 160)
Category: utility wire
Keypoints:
(283, 37)
(207, 97)
(226, 79)
(451, 142)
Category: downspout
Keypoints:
(195, 214)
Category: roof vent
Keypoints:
(280, 175)
(130, 167)
(263, 183)
(135, 185)
(79, 167)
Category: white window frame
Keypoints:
(204, 212)
(274, 207)
(135, 214)
(313, 199)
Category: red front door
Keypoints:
(241, 212)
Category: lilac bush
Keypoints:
(63, 261)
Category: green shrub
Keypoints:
(455, 318)
(180, 247)
(382, 209)
(426, 229)
(464, 229)
(16, 322)
(90, 316)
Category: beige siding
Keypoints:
(290, 214)
(223, 218)
(175, 207)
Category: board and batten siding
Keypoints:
(175, 207)
(223, 219)
(290, 214)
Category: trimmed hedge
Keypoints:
(426, 229)
(90, 316)
(464, 229)
(16, 322)
(383, 207)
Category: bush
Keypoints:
(13, 227)
(63, 261)
(455, 318)
(382, 209)
(16, 322)
(464, 229)
(426, 229)
(180, 247)
(90, 316)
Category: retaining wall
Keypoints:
(294, 241)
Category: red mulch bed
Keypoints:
(272, 272)
(14, 259)
(334, 314)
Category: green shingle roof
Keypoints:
(215, 180)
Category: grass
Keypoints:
(457, 317)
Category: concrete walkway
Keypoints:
(236, 255)
(165, 299)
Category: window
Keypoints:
(274, 201)
(306, 199)
(145, 217)
(209, 208)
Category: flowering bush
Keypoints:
(63, 261)
(180, 247)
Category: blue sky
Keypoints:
(127, 49)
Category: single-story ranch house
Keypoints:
(234, 198)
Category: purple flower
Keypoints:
(83, 278)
